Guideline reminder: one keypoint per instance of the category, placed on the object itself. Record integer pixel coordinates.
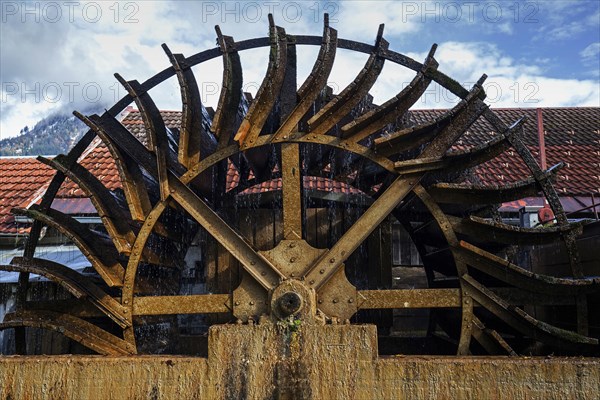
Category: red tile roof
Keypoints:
(22, 180)
(572, 136)
(310, 183)
(133, 122)
(100, 163)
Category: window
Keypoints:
(404, 251)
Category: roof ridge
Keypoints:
(25, 157)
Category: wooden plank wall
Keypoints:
(370, 267)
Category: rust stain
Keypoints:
(271, 361)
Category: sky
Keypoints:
(60, 56)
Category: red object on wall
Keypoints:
(545, 214)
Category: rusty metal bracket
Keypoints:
(79, 285)
(74, 328)
(223, 123)
(192, 131)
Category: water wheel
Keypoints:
(174, 185)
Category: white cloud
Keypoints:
(506, 28)
(509, 83)
(93, 40)
(568, 20)
(362, 19)
(557, 12)
(590, 57)
(76, 53)
(591, 53)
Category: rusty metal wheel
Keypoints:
(289, 135)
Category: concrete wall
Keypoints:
(183, 378)
(274, 362)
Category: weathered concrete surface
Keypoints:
(295, 362)
(98, 377)
(291, 361)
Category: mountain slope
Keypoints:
(55, 134)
